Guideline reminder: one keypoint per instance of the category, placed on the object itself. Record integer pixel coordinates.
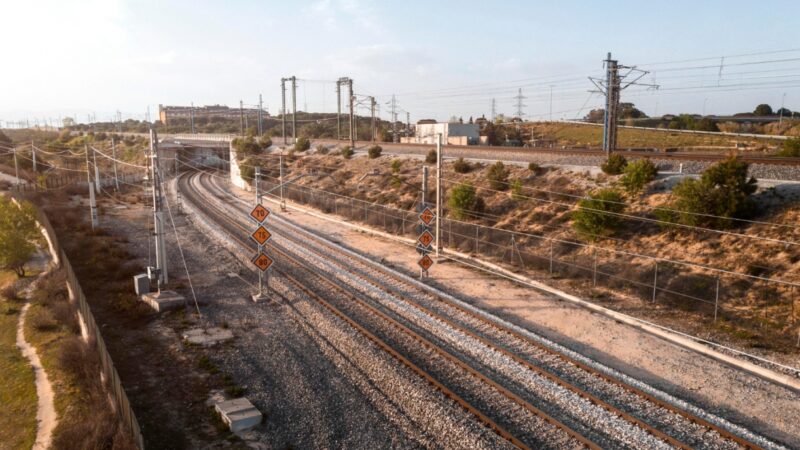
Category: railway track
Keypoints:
(496, 152)
(481, 364)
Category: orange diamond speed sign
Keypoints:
(427, 216)
(263, 262)
(425, 262)
(261, 235)
(259, 213)
(426, 238)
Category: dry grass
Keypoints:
(17, 388)
(86, 416)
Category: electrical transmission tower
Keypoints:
(611, 87)
(349, 83)
(519, 98)
(494, 109)
(393, 105)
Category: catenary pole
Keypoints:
(92, 199)
(158, 213)
(114, 161)
(439, 193)
(283, 108)
(294, 109)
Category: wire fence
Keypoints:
(51, 182)
(769, 303)
(109, 372)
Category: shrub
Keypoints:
(302, 144)
(18, 234)
(721, 194)
(322, 150)
(791, 148)
(614, 165)
(461, 166)
(464, 201)
(347, 152)
(430, 158)
(396, 164)
(516, 190)
(533, 167)
(374, 151)
(498, 176)
(265, 142)
(9, 293)
(247, 170)
(637, 174)
(246, 147)
(596, 215)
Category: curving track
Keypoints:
(530, 394)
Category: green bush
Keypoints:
(516, 190)
(721, 194)
(533, 167)
(247, 170)
(374, 151)
(614, 165)
(462, 166)
(396, 165)
(498, 176)
(302, 144)
(596, 215)
(265, 142)
(245, 147)
(637, 174)
(347, 152)
(430, 158)
(464, 201)
(791, 148)
(322, 150)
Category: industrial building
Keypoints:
(168, 113)
(452, 133)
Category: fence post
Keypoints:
(655, 281)
(716, 300)
(551, 256)
(476, 239)
(594, 269)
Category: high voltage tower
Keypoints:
(293, 79)
(611, 88)
(519, 98)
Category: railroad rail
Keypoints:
(393, 282)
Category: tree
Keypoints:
(763, 110)
(722, 193)
(265, 142)
(783, 112)
(19, 235)
(464, 201)
(597, 215)
(637, 174)
(245, 147)
(498, 176)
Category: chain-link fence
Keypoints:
(692, 288)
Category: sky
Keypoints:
(440, 58)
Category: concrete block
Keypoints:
(164, 300)
(207, 337)
(141, 283)
(239, 414)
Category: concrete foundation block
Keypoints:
(207, 337)
(164, 300)
(239, 414)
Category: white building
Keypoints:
(452, 133)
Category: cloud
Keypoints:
(336, 15)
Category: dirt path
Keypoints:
(46, 412)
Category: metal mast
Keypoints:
(158, 213)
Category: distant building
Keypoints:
(167, 113)
(452, 133)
